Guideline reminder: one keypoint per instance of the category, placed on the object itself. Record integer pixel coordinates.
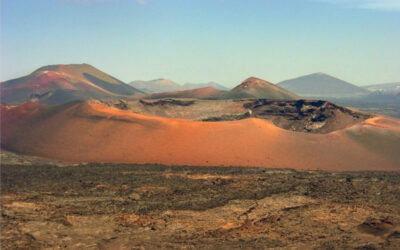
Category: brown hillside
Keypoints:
(257, 88)
(201, 93)
(57, 84)
(92, 132)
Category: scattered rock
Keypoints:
(377, 227)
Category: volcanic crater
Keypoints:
(311, 116)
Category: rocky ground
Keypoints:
(310, 116)
(100, 206)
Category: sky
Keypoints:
(199, 41)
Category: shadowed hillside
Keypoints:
(320, 85)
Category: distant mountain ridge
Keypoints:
(387, 88)
(252, 87)
(156, 85)
(62, 83)
(321, 85)
(199, 93)
(204, 85)
(165, 85)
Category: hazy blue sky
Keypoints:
(205, 40)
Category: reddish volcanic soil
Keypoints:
(201, 93)
(91, 132)
(57, 84)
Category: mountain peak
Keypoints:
(322, 74)
(254, 87)
(252, 78)
(253, 82)
(60, 67)
(321, 85)
(61, 83)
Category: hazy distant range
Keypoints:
(64, 83)
(317, 85)
(377, 98)
(166, 85)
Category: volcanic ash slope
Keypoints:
(89, 131)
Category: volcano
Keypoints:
(57, 84)
(254, 87)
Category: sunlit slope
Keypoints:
(91, 132)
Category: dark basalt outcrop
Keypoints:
(378, 227)
(167, 102)
(314, 116)
(119, 104)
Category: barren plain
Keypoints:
(49, 205)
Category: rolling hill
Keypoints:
(204, 85)
(55, 84)
(156, 86)
(165, 85)
(321, 85)
(201, 93)
(257, 88)
(89, 131)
